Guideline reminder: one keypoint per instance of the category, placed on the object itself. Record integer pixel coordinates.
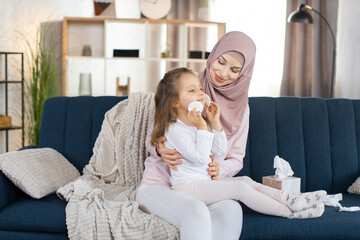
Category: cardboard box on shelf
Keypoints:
(5, 121)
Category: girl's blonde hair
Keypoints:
(167, 93)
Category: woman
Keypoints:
(197, 138)
(226, 80)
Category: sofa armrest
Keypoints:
(8, 191)
(27, 147)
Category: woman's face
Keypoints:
(224, 70)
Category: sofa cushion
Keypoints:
(34, 215)
(331, 225)
(355, 187)
(318, 137)
(38, 172)
(75, 128)
(32, 236)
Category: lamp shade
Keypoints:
(301, 15)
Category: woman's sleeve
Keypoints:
(220, 143)
(233, 162)
(151, 149)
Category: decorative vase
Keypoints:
(86, 50)
(203, 14)
(85, 84)
(104, 8)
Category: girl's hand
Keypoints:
(214, 169)
(213, 114)
(197, 120)
(170, 156)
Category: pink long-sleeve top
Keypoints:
(157, 171)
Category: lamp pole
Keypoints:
(302, 9)
(334, 50)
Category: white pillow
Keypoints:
(355, 187)
(38, 172)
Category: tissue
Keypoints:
(197, 105)
(207, 100)
(283, 179)
(283, 168)
(333, 201)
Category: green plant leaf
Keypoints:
(42, 83)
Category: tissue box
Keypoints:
(290, 184)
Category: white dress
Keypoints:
(196, 146)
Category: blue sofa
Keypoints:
(320, 138)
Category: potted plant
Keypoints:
(42, 80)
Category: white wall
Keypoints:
(21, 18)
(244, 15)
(348, 50)
(264, 21)
(24, 17)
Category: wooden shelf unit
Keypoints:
(77, 32)
(5, 83)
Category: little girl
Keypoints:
(196, 138)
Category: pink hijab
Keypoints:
(232, 98)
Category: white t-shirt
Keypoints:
(195, 146)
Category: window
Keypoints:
(264, 21)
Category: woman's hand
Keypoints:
(170, 156)
(197, 120)
(213, 114)
(214, 169)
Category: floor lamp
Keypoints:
(303, 16)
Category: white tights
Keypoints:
(256, 196)
(195, 220)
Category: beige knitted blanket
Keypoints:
(101, 203)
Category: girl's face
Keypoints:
(225, 70)
(190, 90)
